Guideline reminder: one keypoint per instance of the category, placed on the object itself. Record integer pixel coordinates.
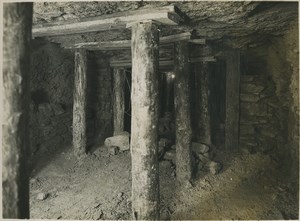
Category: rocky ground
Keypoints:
(244, 186)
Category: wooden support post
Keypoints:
(79, 106)
(203, 112)
(182, 112)
(17, 24)
(144, 122)
(168, 90)
(232, 101)
(119, 103)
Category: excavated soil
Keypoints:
(99, 187)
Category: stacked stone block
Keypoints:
(259, 124)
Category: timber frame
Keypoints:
(168, 15)
(126, 44)
(144, 45)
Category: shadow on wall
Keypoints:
(99, 100)
(39, 96)
(51, 85)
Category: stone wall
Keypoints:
(259, 125)
(283, 68)
(269, 99)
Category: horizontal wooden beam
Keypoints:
(163, 62)
(126, 44)
(199, 41)
(95, 46)
(203, 59)
(168, 15)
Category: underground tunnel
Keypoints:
(150, 110)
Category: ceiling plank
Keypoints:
(199, 41)
(163, 62)
(168, 15)
(126, 44)
(108, 45)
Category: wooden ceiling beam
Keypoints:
(101, 46)
(163, 62)
(168, 15)
(126, 44)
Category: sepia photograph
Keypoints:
(150, 110)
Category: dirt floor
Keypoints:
(99, 187)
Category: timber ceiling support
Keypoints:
(168, 15)
(17, 22)
(203, 113)
(79, 104)
(202, 73)
(118, 99)
(126, 44)
(144, 122)
(163, 62)
(232, 101)
(145, 106)
(183, 130)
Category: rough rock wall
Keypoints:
(103, 98)
(52, 85)
(259, 126)
(283, 66)
(51, 96)
(269, 117)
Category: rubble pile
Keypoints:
(202, 156)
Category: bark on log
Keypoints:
(144, 123)
(119, 102)
(232, 101)
(17, 24)
(79, 106)
(204, 133)
(182, 112)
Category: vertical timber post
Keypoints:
(144, 122)
(118, 105)
(17, 25)
(232, 101)
(182, 112)
(79, 106)
(168, 90)
(202, 74)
